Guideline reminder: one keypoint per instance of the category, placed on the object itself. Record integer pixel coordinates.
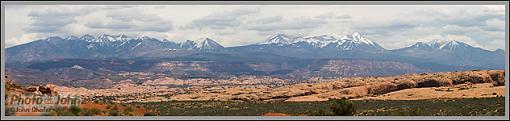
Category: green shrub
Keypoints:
(91, 112)
(323, 113)
(75, 110)
(62, 111)
(109, 106)
(114, 113)
(410, 112)
(65, 113)
(149, 114)
(128, 110)
(342, 107)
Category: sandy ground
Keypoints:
(474, 91)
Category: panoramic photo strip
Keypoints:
(255, 60)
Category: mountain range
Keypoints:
(279, 47)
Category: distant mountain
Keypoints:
(96, 62)
(358, 42)
(201, 44)
(348, 42)
(317, 47)
(452, 52)
(279, 39)
(103, 46)
(279, 47)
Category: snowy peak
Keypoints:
(323, 38)
(54, 39)
(356, 41)
(188, 44)
(357, 38)
(316, 41)
(147, 38)
(70, 37)
(421, 45)
(347, 42)
(278, 39)
(87, 37)
(201, 44)
(452, 45)
(112, 38)
(442, 44)
(207, 44)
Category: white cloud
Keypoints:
(221, 19)
(25, 38)
(234, 25)
(130, 19)
(495, 25)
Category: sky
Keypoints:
(391, 26)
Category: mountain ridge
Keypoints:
(450, 52)
(123, 37)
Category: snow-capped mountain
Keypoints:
(120, 41)
(316, 41)
(279, 39)
(358, 41)
(358, 38)
(87, 46)
(345, 43)
(355, 46)
(201, 44)
(207, 44)
(452, 52)
(450, 45)
(188, 44)
(105, 38)
(87, 37)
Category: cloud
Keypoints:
(390, 26)
(131, 20)
(468, 17)
(111, 25)
(331, 15)
(114, 7)
(47, 24)
(456, 29)
(266, 20)
(21, 40)
(383, 28)
(494, 25)
(51, 19)
(496, 9)
(289, 24)
(468, 21)
(475, 25)
(221, 20)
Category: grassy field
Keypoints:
(450, 107)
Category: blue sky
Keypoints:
(233, 25)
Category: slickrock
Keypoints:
(407, 86)
(359, 87)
